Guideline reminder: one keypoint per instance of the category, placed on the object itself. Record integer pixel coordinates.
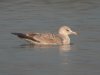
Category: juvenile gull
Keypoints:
(48, 38)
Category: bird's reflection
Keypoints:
(62, 48)
(34, 46)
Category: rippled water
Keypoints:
(81, 58)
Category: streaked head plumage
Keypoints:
(65, 30)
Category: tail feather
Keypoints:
(20, 35)
(24, 36)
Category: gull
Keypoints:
(62, 38)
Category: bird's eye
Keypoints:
(67, 30)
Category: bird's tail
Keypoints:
(20, 35)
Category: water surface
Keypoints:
(80, 58)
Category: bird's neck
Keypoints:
(66, 39)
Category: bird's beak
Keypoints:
(75, 33)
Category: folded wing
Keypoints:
(48, 38)
(40, 38)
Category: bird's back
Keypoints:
(48, 38)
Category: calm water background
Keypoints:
(81, 58)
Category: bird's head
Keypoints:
(65, 30)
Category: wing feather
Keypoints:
(47, 38)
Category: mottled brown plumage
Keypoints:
(48, 38)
